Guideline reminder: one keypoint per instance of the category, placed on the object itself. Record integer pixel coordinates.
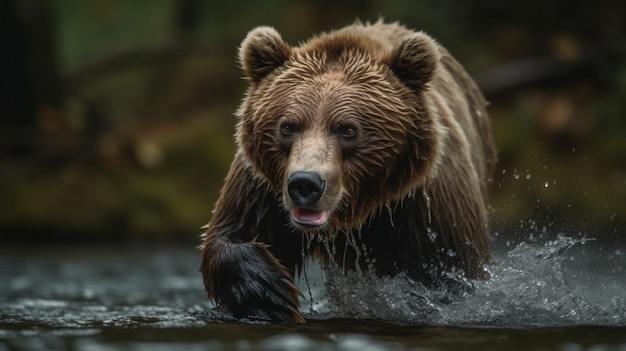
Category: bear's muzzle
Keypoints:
(305, 188)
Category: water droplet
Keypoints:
(528, 176)
(304, 268)
(618, 252)
(515, 174)
(546, 184)
(432, 235)
(427, 198)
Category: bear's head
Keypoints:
(340, 126)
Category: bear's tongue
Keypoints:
(310, 217)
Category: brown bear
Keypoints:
(367, 147)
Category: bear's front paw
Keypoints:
(246, 280)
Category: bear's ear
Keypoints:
(415, 60)
(262, 51)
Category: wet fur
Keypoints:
(425, 134)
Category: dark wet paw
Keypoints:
(251, 283)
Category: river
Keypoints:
(553, 292)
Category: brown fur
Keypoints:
(389, 120)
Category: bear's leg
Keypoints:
(240, 274)
(246, 280)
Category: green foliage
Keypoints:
(143, 134)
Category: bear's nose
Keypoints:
(305, 187)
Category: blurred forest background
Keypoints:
(116, 117)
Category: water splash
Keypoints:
(564, 281)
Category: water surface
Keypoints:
(559, 293)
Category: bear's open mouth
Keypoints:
(309, 217)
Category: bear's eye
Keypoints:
(286, 129)
(348, 132)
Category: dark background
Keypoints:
(116, 117)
